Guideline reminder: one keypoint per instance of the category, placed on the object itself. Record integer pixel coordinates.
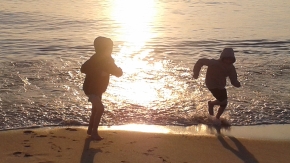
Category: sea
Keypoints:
(43, 44)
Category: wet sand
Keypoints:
(72, 145)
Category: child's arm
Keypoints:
(86, 67)
(113, 69)
(233, 78)
(198, 65)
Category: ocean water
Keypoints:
(43, 44)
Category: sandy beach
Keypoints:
(72, 145)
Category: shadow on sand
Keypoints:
(241, 150)
(89, 153)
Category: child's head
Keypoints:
(103, 45)
(228, 56)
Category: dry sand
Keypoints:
(72, 145)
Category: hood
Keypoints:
(228, 53)
(102, 44)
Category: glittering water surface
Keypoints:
(156, 43)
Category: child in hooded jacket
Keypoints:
(98, 69)
(217, 72)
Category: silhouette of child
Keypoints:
(98, 69)
(217, 72)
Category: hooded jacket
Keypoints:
(218, 71)
(98, 70)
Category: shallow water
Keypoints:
(156, 43)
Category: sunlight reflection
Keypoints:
(135, 19)
(200, 129)
(141, 128)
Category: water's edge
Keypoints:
(276, 132)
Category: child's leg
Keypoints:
(220, 111)
(223, 105)
(98, 107)
(90, 127)
(217, 102)
(221, 100)
(93, 113)
(210, 107)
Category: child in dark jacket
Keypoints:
(217, 72)
(98, 69)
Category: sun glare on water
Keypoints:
(135, 19)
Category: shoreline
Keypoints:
(261, 132)
(257, 132)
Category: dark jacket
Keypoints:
(217, 71)
(98, 70)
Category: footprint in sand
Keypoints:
(21, 154)
(71, 129)
(108, 143)
(26, 143)
(149, 151)
(41, 136)
(152, 149)
(27, 155)
(133, 142)
(55, 147)
(28, 132)
(53, 136)
(163, 160)
(17, 154)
